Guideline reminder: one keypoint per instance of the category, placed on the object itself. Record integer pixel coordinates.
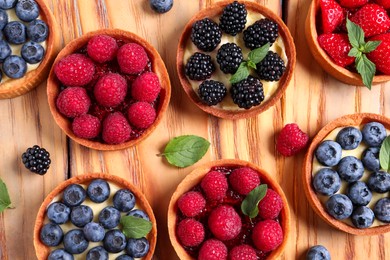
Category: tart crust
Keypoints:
(16, 87)
(42, 251)
(195, 178)
(158, 67)
(216, 10)
(348, 120)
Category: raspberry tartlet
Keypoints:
(213, 47)
(30, 42)
(205, 218)
(108, 89)
(343, 178)
(107, 199)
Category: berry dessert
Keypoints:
(93, 216)
(235, 59)
(36, 159)
(344, 178)
(30, 40)
(108, 89)
(228, 209)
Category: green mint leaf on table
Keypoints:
(384, 154)
(241, 73)
(366, 69)
(5, 201)
(186, 150)
(258, 54)
(134, 227)
(249, 205)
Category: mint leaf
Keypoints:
(5, 201)
(354, 52)
(241, 73)
(134, 227)
(251, 64)
(366, 69)
(258, 54)
(186, 150)
(355, 34)
(251, 201)
(384, 154)
(370, 46)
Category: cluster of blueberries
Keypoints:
(327, 181)
(28, 32)
(77, 240)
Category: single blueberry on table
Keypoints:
(139, 214)
(318, 252)
(14, 67)
(349, 138)
(328, 153)
(161, 6)
(15, 32)
(3, 19)
(379, 182)
(109, 217)
(137, 247)
(94, 232)
(124, 257)
(98, 190)
(114, 241)
(124, 200)
(359, 193)
(362, 217)
(37, 31)
(75, 242)
(373, 134)
(382, 210)
(350, 169)
(32, 52)
(97, 253)
(60, 254)
(51, 234)
(27, 10)
(74, 195)
(58, 213)
(81, 215)
(370, 159)
(5, 50)
(7, 4)
(326, 181)
(339, 206)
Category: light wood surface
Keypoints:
(312, 100)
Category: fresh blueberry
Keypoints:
(350, 169)
(27, 10)
(326, 181)
(109, 217)
(74, 195)
(379, 181)
(14, 67)
(359, 193)
(339, 206)
(97, 253)
(124, 257)
(382, 210)
(51, 234)
(37, 31)
(75, 242)
(81, 215)
(349, 138)
(5, 50)
(32, 52)
(328, 153)
(137, 247)
(139, 214)
(373, 134)
(124, 200)
(58, 213)
(362, 217)
(94, 232)
(114, 241)
(60, 254)
(15, 32)
(3, 19)
(7, 4)
(98, 190)
(370, 159)
(318, 253)
(161, 6)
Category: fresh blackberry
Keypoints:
(199, 66)
(206, 34)
(36, 159)
(248, 92)
(233, 18)
(212, 92)
(229, 58)
(271, 68)
(261, 32)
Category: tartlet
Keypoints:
(42, 251)
(214, 12)
(195, 177)
(307, 177)
(16, 87)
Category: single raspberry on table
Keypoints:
(146, 87)
(224, 222)
(110, 90)
(214, 185)
(102, 48)
(86, 126)
(291, 140)
(337, 46)
(244, 180)
(242, 252)
(373, 19)
(75, 70)
(191, 203)
(132, 58)
(213, 249)
(116, 129)
(271, 205)
(141, 114)
(73, 102)
(267, 235)
(190, 232)
(381, 55)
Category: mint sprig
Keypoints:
(384, 154)
(249, 205)
(5, 201)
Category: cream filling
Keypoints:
(344, 185)
(269, 87)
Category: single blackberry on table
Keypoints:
(212, 92)
(271, 68)
(233, 18)
(248, 92)
(36, 159)
(199, 66)
(206, 34)
(261, 32)
(229, 58)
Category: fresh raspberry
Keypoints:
(271, 205)
(213, 249)
(132, 58)
(267, 235)
(224, 222)
(291, 140)
(373, 19)
(75, 70)
(191, 203)
(242, 252)
(110, 90)
(116, 129)
(102, 48)
(141, 114)
(190, 232)
(214, 185)
(381, 55)
(146, 87)
(337, 46)
(72, 102)
(86, 126)
(244, 180)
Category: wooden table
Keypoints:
(312, 100)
